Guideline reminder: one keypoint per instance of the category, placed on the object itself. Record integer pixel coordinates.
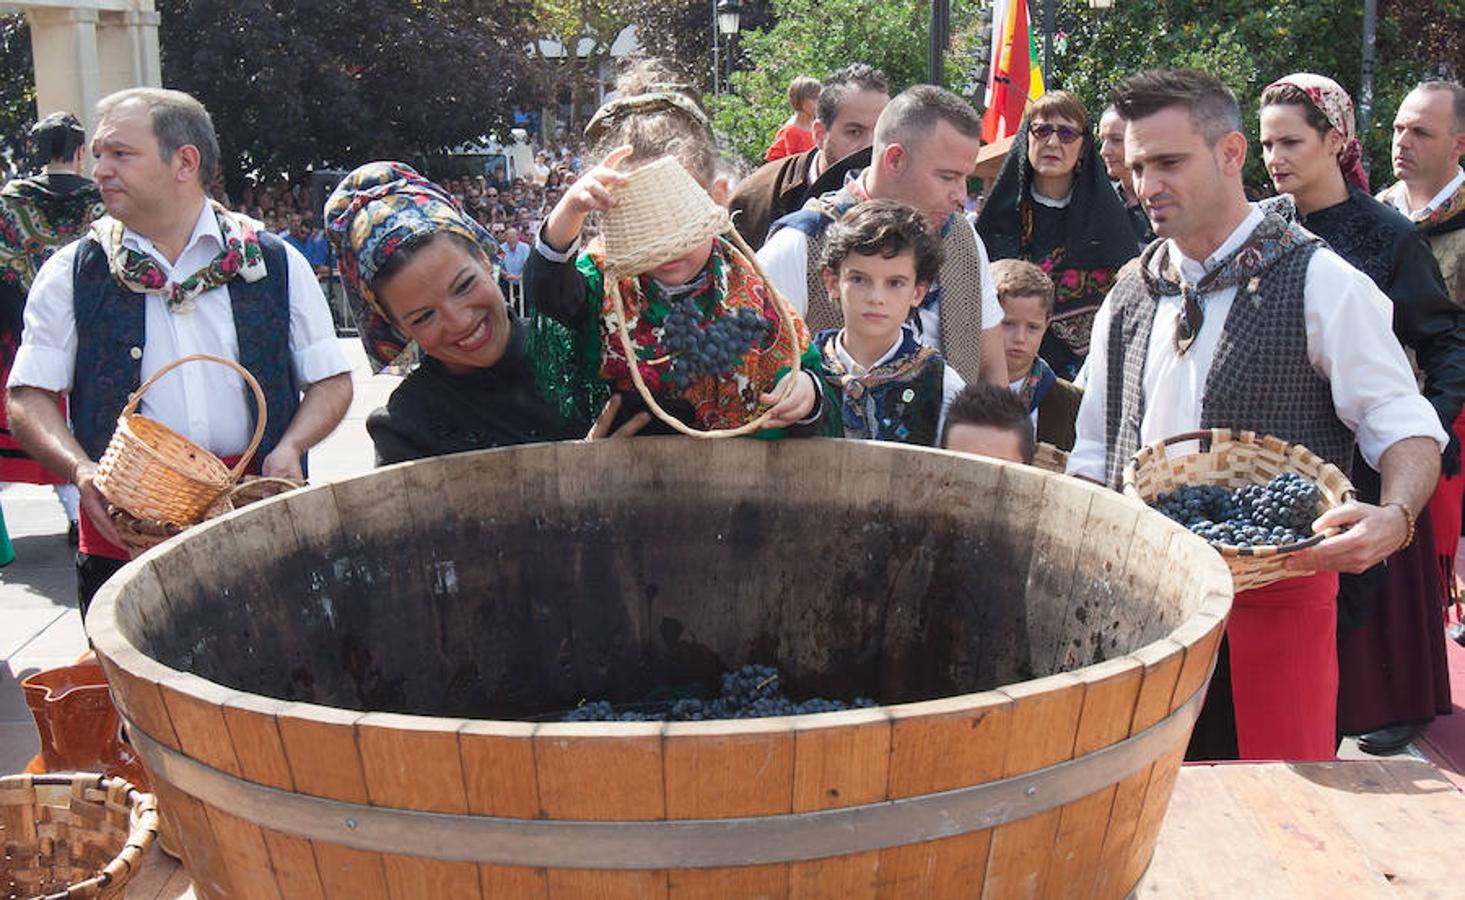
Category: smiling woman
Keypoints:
(420, 277)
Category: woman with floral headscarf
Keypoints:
(418, 273)
(1392, 669)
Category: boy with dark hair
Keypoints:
(878, 263)
(1026, 294)
(988, 421)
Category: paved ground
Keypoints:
(40, 627)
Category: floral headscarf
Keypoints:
(372, 212)
(1335, 104)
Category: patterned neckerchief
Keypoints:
(1035, 386)
(1273, 239)
(139, 272)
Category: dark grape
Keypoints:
(1255, 515)
(748, 692)
(699, 346)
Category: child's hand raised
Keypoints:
(791, 400)
(593, 192)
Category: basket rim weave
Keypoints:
(1155, 451)
(142, 829)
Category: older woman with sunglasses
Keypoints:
(1052, 205)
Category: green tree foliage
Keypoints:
(1250, 43)
(290, 84)
(816, 37)
(17, 88)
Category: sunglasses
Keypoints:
(1066, 135)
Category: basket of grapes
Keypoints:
(1253, 497)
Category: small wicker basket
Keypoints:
(153, 472)
(72, 836)
(1233, 459)
(662, 213)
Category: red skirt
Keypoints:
(1284, 669)
(1392, 667)
(1444, 514)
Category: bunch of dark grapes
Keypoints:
(749, 692)
(699, 346)
(1256, 515)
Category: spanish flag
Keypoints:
(1016, 76)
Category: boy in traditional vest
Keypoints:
(878, 264)
(1026, 294)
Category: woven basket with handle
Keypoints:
(140, 534)
(153, 472)
(660, 214)
(1233, 459)
(72, 836)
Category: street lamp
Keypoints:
(729, 17)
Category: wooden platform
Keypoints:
(1376, 828)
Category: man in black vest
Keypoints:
(849, 105)
(165, 274)
(1242, 320)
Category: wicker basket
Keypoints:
(140, 534)
(641, 233)
(153, 472)
(660, 213)
(1049, 458)
(72, 836)
(1233, 459)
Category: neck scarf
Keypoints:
(907, 363)
(1334, 103)
(37, 218)
(1273, 239)
(1036, 386)
(137, 271)
(373, 212)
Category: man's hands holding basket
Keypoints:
(1370, 534)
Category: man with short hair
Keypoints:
(849, 105)
(1429, 140)
(164, 274)
(38, 216)
(925, 146)
(1243, 320)
(989, 421)
(514, 253)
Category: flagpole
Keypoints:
(1048, 28)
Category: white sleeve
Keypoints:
(785, 257)
(47, 355)
(1351, 343)
(991, 307)
(951, 385)
(315, 354)
(1087, 456)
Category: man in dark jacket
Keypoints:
(850, 102)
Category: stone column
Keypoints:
(64, 47)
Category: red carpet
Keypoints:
(1444, 741)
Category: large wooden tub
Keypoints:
(335, 691)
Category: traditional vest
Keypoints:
(899, 401)
(958, 286)
(1260, 379)
(111, 329)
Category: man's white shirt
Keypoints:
(204, 401)
(1350, 343)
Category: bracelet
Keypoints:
(1408, 523)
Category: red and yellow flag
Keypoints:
(1016, 78)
